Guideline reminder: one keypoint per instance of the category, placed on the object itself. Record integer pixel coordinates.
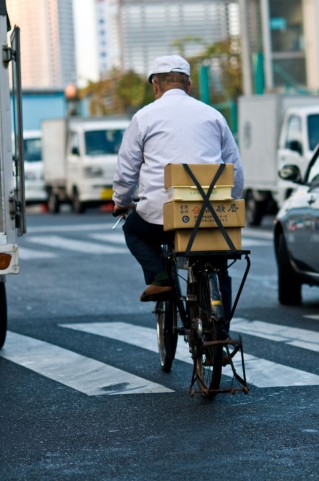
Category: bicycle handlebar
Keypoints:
(120, 212)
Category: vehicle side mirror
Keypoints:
(295, 146)
(290, 172)
(75, 151)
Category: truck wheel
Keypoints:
(3, 314)
(254, 210)
(78, 206)
(53, 203)
(289, 285)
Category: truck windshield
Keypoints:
(32, 150)
(313, 130)
(101, 142)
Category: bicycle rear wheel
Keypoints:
(208, 359)
(166, 314)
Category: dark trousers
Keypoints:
(145, 241)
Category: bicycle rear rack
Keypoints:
(242, 386)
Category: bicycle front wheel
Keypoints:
(166, 314)
(208, 359)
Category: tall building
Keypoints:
(47, 41)
(131, 33)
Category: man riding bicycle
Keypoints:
(175, 128)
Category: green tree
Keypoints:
(125, 92)
(225, 55)
(118, 93)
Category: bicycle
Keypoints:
(198, 316)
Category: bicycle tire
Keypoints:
(167, 336)
(208, 360)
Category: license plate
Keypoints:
(106, 194)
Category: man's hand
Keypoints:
(123, 211)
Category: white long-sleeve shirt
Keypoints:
(175, 128)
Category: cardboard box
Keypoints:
(221, 192)
(183, 215)
(207, 239)
(175, 175)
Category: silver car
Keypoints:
(296, 233)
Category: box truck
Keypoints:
(274, 130)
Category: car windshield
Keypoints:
(32, 150)
(101, 142)
(313, 129)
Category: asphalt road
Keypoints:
(82, 394)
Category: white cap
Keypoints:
(170, 63)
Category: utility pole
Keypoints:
(245, 48)
(265, 22)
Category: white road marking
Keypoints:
(59, 242)
(293, 336)
(69, 228)
(260, 372)
(115, 237)
(312, 316)
(29, 254)
(260, 234)
(247, 242)
(86, 375)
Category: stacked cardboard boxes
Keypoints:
(185, 203)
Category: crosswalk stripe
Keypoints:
(68, 228)
(289, 335)
(312, 316)
(260, 372)
(116, 237)
(247, 242)
(25, 253)
(60, 242)
(259, 234)
(86, 375)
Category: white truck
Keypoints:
(79, 158)
(12, 204)
(274, 130)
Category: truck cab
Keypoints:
(298, 140)
(274, 129)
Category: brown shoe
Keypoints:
(156, 293)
